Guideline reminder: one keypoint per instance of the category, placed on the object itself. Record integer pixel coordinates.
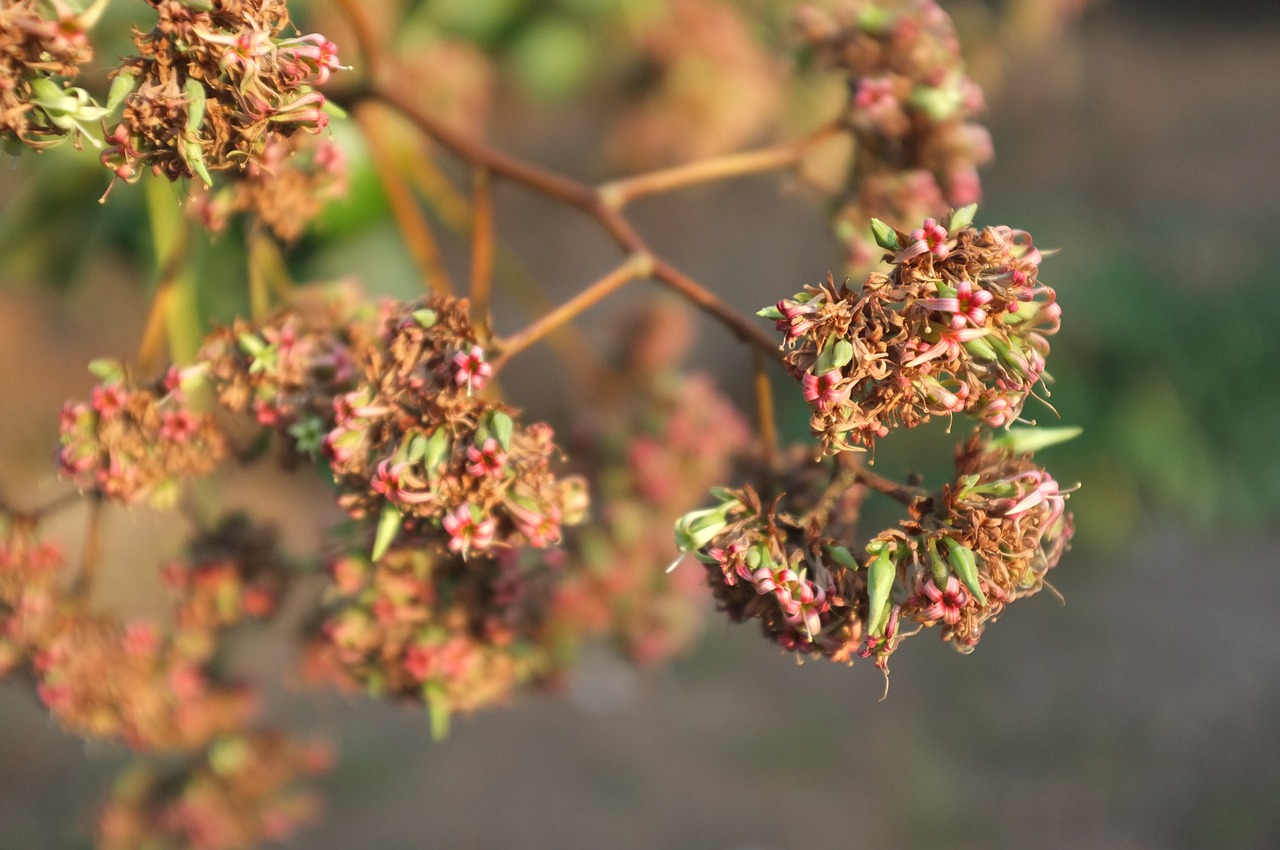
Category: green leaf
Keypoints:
(388, 528)
(1025, 440)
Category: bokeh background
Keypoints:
(1140, 714)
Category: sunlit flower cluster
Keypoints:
(212, 86)
(959, 325)
(417, 446)
(910, 109)
(135, 443)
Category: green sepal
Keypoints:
(843, 557)
(698, 528)
(388, 528)
(965, 565)
(769, 313)
(1028, 440)
(193, 156)
(886, 237)
(122, 85)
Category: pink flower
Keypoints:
(489, 460)
(826, 390)
(945, 605)
(466, 532)
(930, 239)
(796, 319)
(471, 370)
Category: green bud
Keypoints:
(193, 155)
(964, 564)
(193, 91)
(121, 87)
(961, 218)
(937, 566)
(435, 452)
(416, 449)
(886, 236)
(980, 348)
(501, 426)
(250, 344)
(425, 317)
(835, 354)
(769, 313)
(698, 528)
(843, 557)
(880, 575)
(433, 693)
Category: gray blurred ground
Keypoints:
(1143, 714)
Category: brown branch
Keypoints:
(898, 492)
(579, 196)
(618, 193)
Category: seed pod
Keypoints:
(964, 564)
(880, 575)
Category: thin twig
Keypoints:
(414, 226)
(481, 249)
(91, 553)
(766, 421)
(618, 193)
(635, 267)
(898, 492)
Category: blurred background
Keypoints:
(1140, 714)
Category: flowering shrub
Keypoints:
(481, 548)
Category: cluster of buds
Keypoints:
(959, 325)
(709, 85)
(41, 41)
(910, 110)
(966, 552)
(287, 370)
(457, 635)
(137, 443)
(416, 446)
(285, 189)
(214, 83)
(242, 791)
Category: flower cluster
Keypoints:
(138, 681)
(989, 539)
(418, 447)
(287, 370)
(213, 85)
(910, 111)
(41, 40)
(284, 189)
(708, 86)
(239, 793)
(958, 326)
(677, 437)
(965, 553)
(421, 625)
(137, 443)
